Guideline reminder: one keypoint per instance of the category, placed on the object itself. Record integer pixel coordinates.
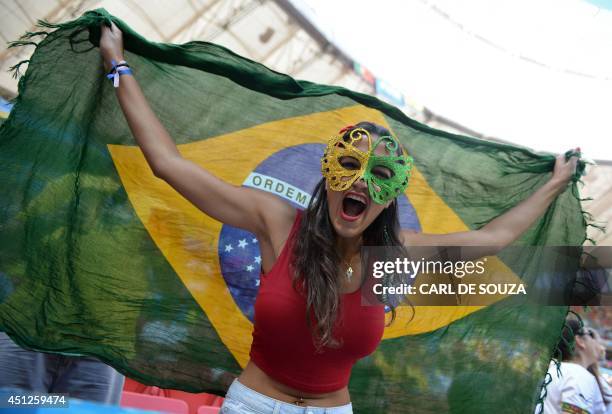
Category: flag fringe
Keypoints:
(589, 255)
(601, 228)
(19, 43)
(90, 19)
(15, 69)
(588, 220)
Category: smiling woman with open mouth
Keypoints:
(310, 327)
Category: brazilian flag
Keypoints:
(99, 257)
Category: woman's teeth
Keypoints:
(357, 197)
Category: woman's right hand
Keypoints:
(264, 214)
(111, 45)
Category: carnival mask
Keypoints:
(385, 175)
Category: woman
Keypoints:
(602, 383)
(311, 260)
(574, 387)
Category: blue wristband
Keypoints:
(118, 70)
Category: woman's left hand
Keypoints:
(508, 227)
(564, 169)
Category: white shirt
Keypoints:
(576, 389)
(607, 391)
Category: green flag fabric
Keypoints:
(99, 257)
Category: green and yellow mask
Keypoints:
(385, 175)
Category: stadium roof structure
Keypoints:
(280, 34)
(273, 33)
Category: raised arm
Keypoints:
(506, 228)
(250, 209)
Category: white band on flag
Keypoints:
(278, 187)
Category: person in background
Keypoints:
(81, 377)
(575, 388)
(604, 385)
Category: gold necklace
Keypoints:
(349, 270)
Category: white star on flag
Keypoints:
(258, 259)
(228, 248)
(242, 243)
(249, 268)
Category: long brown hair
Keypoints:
(316, 261)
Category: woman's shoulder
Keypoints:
(407, 236)
(578, 375)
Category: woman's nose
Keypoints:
(360, 183)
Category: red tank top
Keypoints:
(283, 346)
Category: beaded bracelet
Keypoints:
(116, 71)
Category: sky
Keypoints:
(537, 73)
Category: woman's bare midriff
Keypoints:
(254, 378)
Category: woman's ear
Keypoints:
(579, 343)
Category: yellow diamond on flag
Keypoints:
(189, 239)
